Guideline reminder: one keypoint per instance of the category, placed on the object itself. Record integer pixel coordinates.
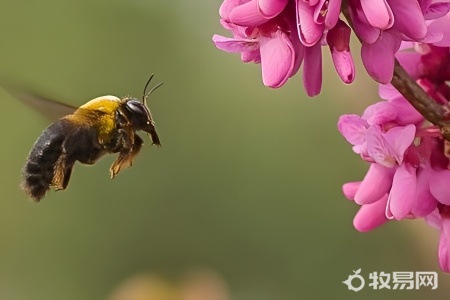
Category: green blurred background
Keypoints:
(246, 185)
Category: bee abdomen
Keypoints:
(38, 171)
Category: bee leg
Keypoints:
(126, 156)
(62, 172)
(123, 144)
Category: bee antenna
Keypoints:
(145, 94)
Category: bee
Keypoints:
(103, 125)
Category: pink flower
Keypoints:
(266, 44)
(338, 39)
(372, 215)
(440, 219)
(375, 184)
(267, 41)
(314, 17)
(281, 34)
(400, 168)
(381, 25)
(251, 12)
(409, 171)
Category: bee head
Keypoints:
(139, 115)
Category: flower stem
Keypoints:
(412, 92)
(415, 95)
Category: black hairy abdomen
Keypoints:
(39, 168)
(62, 141)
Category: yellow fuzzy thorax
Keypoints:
(105, 104)
(100, 113)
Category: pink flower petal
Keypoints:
(411, 61)
(444, 241)
(409, 18)
(437, 10)
(251, 56)
(379, 113)
(375, 184)
(234, 45)
(371, 216)
(366, 32)
(332, 16)
(403, 192)
(247, 15)
(378, 149)
(271, 8)
(343, 62)
(399, 139)
(424, 202)
(277, 59)
(350, 188)
(406, 113)
(353, 128)
(434, 219)
(388, 148)
(226, 25)
(378, 13)
(319, 16)
(297, 46)
(433, 38)
(226, 7)
(383, 51)
(441, 26)
(424, 4)
(309, 31)
(387, 91)
(439, 186)
(338, 39)
(312, 70)
(444, 251)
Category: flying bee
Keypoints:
(103, 125)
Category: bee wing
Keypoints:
(50, 108)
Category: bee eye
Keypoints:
(136, 107)
(139, 114)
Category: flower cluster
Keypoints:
(409, 173)
(284, 34)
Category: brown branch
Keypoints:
(416, 96)
(422, 102)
